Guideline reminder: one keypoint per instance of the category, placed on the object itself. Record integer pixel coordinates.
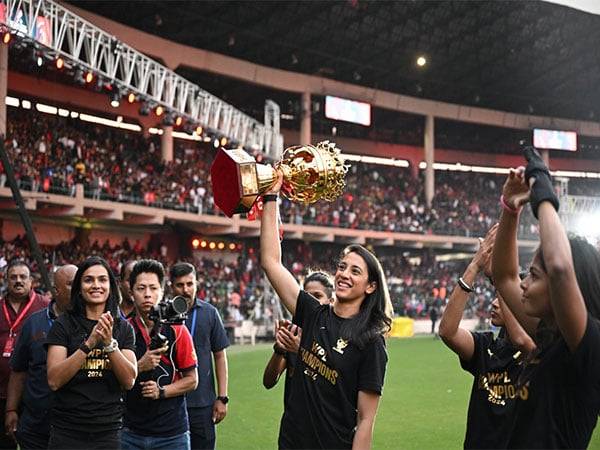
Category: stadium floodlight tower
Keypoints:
(59, 32)
(579, 213)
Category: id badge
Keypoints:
(8, 347)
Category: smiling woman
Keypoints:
(91, 361)
(338, 379)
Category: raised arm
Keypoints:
(568, 305)
(281, 279)
(517, 335)
(459, 340)
(505, 257)
(567, 302)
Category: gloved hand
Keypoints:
(542, 189)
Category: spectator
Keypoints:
(29, 397)
(205, 409)
(20, 302)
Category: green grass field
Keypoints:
(424, 405)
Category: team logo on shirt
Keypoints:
(500, 387)
(96, 362)
(315, 361)
(340, 346)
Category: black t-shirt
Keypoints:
(93, 399)
(323, 392)
(496, 366)
(564, 395)
(290, 368)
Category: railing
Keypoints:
(78, 201)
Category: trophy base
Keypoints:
(233, 176)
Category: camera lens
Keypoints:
(179, 304)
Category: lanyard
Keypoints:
(142, 327)
(19, 318)
(50, 319)
(193, 327)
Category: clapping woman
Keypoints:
(91, 362)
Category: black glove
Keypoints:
(542, 190)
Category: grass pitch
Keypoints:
(424, 405)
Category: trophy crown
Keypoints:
(312, 172)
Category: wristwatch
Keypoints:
(161, 392)
(111, 347)
(223, 399)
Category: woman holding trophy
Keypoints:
(339, 378)
(335, 391)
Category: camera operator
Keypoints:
(155, 415)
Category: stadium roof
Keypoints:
(527, 57)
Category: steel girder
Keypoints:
(62, 33)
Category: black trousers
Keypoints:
(61, 439)
(202, 428)
(32, 441)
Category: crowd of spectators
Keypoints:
(53, 154)
(234, 283)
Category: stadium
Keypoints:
(124, 123)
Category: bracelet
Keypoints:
(84, 348)
(278, 350)
(270, 198)
(464, 286)
(508, 208)
(10, 410)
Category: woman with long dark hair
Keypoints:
(558, 303)
(91, 361)
(340, 370)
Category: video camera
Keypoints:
(171, 311)
(166, 312)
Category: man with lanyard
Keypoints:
(127, 306)
(155, 411)
(28, 420)
(20, 302)
(205, 409)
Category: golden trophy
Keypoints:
(310, 172)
